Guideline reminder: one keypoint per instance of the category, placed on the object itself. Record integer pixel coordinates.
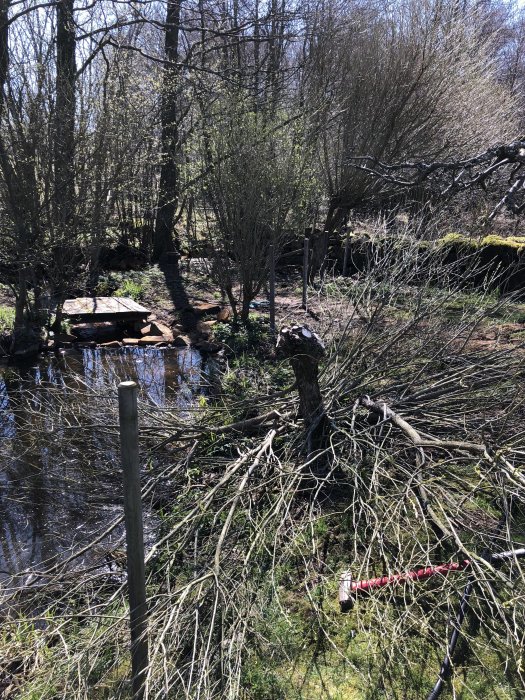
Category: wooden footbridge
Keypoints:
(93, 309)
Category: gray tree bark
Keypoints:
(169, 173)
(304, 349)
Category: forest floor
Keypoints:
(327, 309)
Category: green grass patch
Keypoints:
(7, 319)
(131, 289)
(139, 285)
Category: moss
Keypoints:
(512, 242)
(458, 239)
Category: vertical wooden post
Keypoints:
(347, 254)
(305, 273)
(272, 289)
(129, 451)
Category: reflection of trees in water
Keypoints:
(154, 369)
(7, 419)
(24, 481)
(59, 482)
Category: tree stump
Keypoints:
(304, 349)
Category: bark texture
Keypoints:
(169, 172)
(305, 349)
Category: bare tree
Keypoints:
(500, 167)
(416, 82)
(256, 189)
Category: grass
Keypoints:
(140, 285)
(7, 319)
(252, 337)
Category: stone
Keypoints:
(130, 341)
(151, 340)
(223, 315)
(110, 344)
(207, 308)
(158, 328)
(64, 338)
(207, 346)
(181, 341)
(204, 329)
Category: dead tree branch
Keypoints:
(445, 179)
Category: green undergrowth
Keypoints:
(306, 649)
(353, 666)
(238, 338)
(140, 285)
(450, 305)
(7, 318)
(253, 369)
(300, 646)
(42, 660)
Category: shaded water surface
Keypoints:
(60, 480)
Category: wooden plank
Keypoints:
(98, 307)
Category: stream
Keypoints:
(60, 481)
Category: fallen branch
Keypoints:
(387, 414)
(240, 427)
(447, 178)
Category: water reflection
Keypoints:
(60, 486)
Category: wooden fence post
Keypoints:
(347, 254)
(272, 289)
(305, 273)
(129, 451)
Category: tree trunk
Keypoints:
(304, 349)
(245, 308)
(65, 119)
(25, 341)
(64, 152)
(169, 174)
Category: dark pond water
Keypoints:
(59, 461)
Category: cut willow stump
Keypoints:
(304, 349)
